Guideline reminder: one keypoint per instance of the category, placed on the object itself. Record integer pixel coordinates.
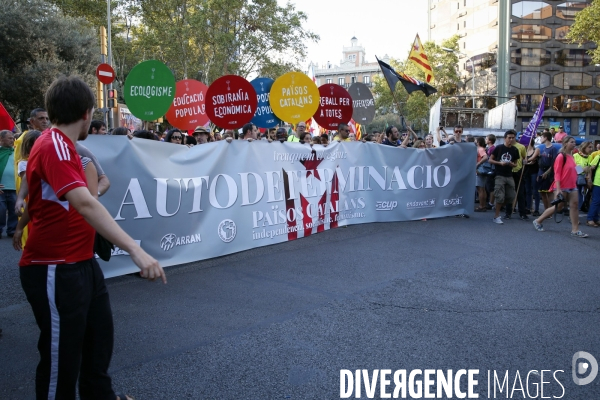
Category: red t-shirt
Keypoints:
(58, 234)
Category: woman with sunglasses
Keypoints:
(174, 136)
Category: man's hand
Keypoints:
(150, 268)
(19, 205)
(16, 239)
(229, 139)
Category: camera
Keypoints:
(559, 199)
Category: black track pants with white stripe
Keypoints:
(72, 309)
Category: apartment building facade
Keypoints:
(519, 50)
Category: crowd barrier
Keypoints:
(189, 204)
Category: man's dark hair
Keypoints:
(35, 112)
(248, 127)
(120, 131)
(492, 138)
(547, 135)
(342, 126)
(96, 124)
(68, 99)
(459, 126)
(388, 130)
(510, 132)
(145, 135)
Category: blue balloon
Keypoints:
(264, 116)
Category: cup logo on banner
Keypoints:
(264, 117)
(335, 106)
(294, 97)
(149, 90)
(188, 109)
(231, 102)
(362, 102)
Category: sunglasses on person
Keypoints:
(176, 137)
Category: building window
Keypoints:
(531, 33)
(329, 80)
(573, 80)
(341, 81)
(353, 79)
(562, 104)
(572, 58)
(352, 57)
(530, 57)
(367, 79)
(530, 80)
(570, 9)
(561, 33)
(530, 102)
(532, 10)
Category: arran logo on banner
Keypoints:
(171, 240)
(385, 205)
(227, 230)
(420, 204)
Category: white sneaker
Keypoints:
(498, 220)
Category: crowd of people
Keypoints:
(50, 183)
(550, 170)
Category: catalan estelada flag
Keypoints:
(418, 56)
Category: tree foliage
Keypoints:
(415, 107)
(217, 37)
(37, 44)
(587, 28)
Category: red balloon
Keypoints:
(335, 106)
(231, 102)
(188, 108)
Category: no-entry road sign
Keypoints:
(105, 74)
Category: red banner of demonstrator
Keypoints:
(188, 109)
(335, 106)
(231, 102)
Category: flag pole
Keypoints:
(534, 128)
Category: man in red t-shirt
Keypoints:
(59, 274)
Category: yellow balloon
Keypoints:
(294, 97)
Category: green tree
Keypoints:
(587, 28)
(37, 44)
(211, 38)
(415, 107)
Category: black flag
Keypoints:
(410, 84)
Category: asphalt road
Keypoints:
(280, 322)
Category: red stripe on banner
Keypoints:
(429, 78)
(307, 220)
(424, 56)
(289, 205)
(321, 206)
(334, 200)
(421, 63)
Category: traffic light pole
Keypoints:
(110, 123)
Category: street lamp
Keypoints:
(473, 70)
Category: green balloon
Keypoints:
(149, 90)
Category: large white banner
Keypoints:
(185, 205)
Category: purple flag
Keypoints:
(533, 124)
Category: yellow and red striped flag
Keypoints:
(418, 56)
